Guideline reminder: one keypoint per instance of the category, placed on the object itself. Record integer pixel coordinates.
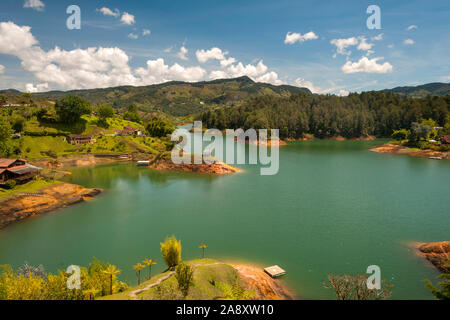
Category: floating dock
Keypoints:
(274, 271)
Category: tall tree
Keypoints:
(71, 108)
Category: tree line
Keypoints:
(369, 113)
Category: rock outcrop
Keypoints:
(58, 196)
(438, 253)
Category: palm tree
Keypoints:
(91, 293)
(112, 271)
(203, 246)
(149, 263)
(138, 267)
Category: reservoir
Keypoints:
(333, 207)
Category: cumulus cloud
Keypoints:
(364, 45)
(343, 44)
(31, 88)
(2, 69)
(182, 53)
(256, 72)
(343, 93)
(157, 71)
(146, 32)
(127, 18)
(307, 84)
(108, 12)
(408, 42)
(367, 65)
(293, 37)
(378, 37)
(98, 67)
(412, 27)
(34, 4)
(211, 54)
(133, 36)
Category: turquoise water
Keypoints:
(334, 207)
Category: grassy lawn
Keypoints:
(29, 187)
(207, 273)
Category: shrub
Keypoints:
(171, 251)
(10, 184)
(184, 275)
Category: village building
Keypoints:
(129, 131)
(77, 139)
(18, 170)
(445, 139)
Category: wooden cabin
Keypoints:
(77, 139)
(18, 170)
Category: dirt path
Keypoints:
(133, 294)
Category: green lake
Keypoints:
(334, 207)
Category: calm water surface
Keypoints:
(334, 207)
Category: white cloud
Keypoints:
(157, 71)
(390, 46)
(300, 82)
(168, 50)
(182, 53)
(367, 65)
(146, 32)
(408, 42)
(98, 67)
(34, 4)
(2, 69)
(127, 18)
(213, 53)
(378, 37)
(364, 45)
(343, 93)
(412, 27)
(31, 88)
(256, 72)
(109, 12)
(17, 38)
(293, 37)
(342, 44)
(443, 78)
(133, 36)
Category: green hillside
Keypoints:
(179, 98)
(433, 89)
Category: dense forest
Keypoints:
(368, 113)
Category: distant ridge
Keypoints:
(421, 91)
(177, 97)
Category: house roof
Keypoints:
(446, 138)
(2, 170)
(5, 163)
(23, 169)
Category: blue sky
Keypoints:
(324, 45)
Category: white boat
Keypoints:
(143, 163)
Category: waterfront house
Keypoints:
(18, 170)
(77, 139)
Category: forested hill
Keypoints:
(179, 98)
(369, 113)
(434, 89)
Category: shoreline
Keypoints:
(92, 160)
(405, 151)
(265, 287)
(436, 253)
(48, 199)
